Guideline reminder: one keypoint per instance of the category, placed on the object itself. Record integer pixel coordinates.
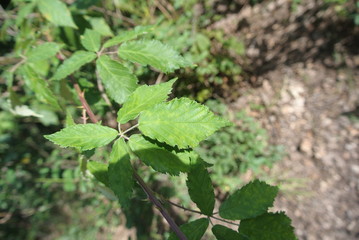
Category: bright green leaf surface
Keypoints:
(40, 87)
(250, 201)
(120, 172)
(100, 26)
(69, 121)
(224, 233)
(160, 158)
(269, 226)
(84, 136)
(180, 122)
(200, 188)
(99, 170)
(91, 40)
(128, 35)
(42, 52)
(193, 230)
(119, 82)
(153, 53)
(75, 62)
(56, 12)
(143, 98)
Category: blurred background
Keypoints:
(285, 72)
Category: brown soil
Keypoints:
(305, 66)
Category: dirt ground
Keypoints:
(304, 64)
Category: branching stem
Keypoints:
(129, 129)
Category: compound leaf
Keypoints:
(84, 136)
(193, 230)
(118, 80)
(162, 158)
(153, 53)
(200, 188)
(56, 12)
(42, 52)
(143, 98)
(269, 226)
(128, 35)
(75, 62)
(224, 233)
(180, 122)
(99, 170)
(40, 87)
(120, 172)
(250, 201)
(91, 40)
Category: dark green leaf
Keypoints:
(224, 233)
(99, 170)
(193, 230)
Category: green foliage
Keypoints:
(224, 233)
(56, 12)
(91, 40)
(193, 230)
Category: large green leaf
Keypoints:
(120, 172)
(200, 188)
(91, 40)
(250, 201)
(118, 80)
(193, 230)
(180, 122)
(143, 98)
(56, 12)
(39, 86)
(128, 35)
(162, 158)
(269, 226)
(224, 233)
(42, 52)
(84, 136)
(99, 170)
(153, 53)
(75, 62)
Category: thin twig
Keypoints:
(129, 129)
(84, 103)
(159, 78)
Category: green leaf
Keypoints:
(99, 170)
(84, 136)
(40, 87)
(224, 233)
(200, 188)
(91, 40)
(250, 201)
(153, 53)
(128, 35)
(42, 52)
(119, 82)
(100, 26)
(75, 62)
(120, 172)
(193, 230)
(143, 98)
(69, 121)
(180, 122)
(56, 12)
(269, 226)
(164, 159)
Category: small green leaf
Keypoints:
(193, 230)
(250, 201)
(39, 86)
(121, 173)
(200, 188)
(269, 226)
(128, 35)
(42, 52)
(100, 26)
(153, 53)
(143, 98)
(84, 136)
(99, 170)
(119, 82)
(69, 121)
(180, 122)
(75, 62)
(224, 233)
(160, 158)
(56, 12)
(91, 40)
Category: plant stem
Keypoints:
(160, 207)
(84, 103)
(129, 129)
